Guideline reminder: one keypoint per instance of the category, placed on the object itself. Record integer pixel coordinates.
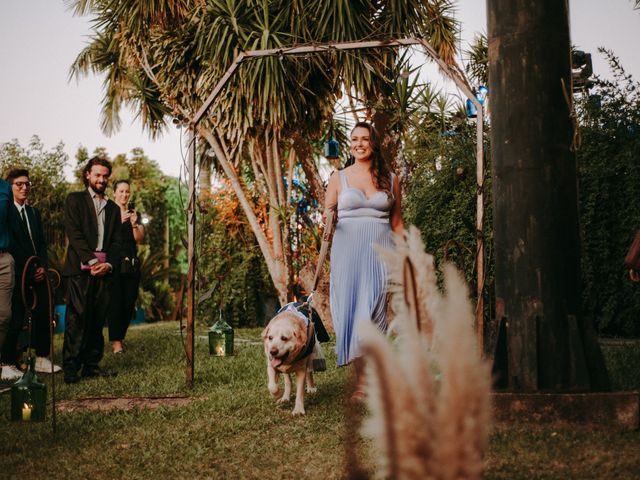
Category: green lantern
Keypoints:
(29, 396)
(221, 338)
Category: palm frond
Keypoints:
(478, 60)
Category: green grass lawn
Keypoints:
(232, 428)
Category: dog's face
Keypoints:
(284, 338)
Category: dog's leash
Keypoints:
(324, 247)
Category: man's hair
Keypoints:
(15, 173)
(94, 161)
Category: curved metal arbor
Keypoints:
(453, 71)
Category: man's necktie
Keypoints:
(23, 214)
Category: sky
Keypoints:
(39, 40)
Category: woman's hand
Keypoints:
(125, 215)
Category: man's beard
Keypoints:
(98, 188)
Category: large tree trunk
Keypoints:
(550, 344)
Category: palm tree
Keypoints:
(163, 57)
(478, 60)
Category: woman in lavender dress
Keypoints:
(367, 197)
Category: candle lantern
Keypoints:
(221, 338)
(29, 396)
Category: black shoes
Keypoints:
(87, 372)
(97, 372)
(71, 377)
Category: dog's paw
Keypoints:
(283, 399)
(311, 389)
(298, 411)
(275, 391)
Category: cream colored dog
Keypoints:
(285, 345)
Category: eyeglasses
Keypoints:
(23, 184)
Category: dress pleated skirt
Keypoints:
(358, 281)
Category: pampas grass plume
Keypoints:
(428, 392)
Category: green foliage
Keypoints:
(441, 194)
(232, 274)
(46, 172)
(622, 358)
(609, 176)
(155, 294)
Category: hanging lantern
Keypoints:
(29, 396)
(481, 96)
(332, 148)
(221, 338)
(472, 111)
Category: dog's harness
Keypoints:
(294, 307)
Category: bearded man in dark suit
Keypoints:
(27, 240)
(92, 225)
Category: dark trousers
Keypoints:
(18, 334)
(87, 306)
(124, 294)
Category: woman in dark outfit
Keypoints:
(125, 284)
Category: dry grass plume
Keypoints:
(428, 390)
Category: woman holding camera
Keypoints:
(124, 292)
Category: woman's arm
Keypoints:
(397, 225)
(138, 228)
(331, 195)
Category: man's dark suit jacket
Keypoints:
(81, 227)
(20, 245)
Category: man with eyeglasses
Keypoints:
(7, 277)
(27, 240)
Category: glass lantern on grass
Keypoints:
(29, 396)
(221, 338)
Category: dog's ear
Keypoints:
(265, 332)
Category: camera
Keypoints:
(131, 206)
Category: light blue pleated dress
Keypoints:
(358, 275)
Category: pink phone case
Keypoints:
(101, 256)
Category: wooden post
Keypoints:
(191, 274)
(535, 216)
(480, 275)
